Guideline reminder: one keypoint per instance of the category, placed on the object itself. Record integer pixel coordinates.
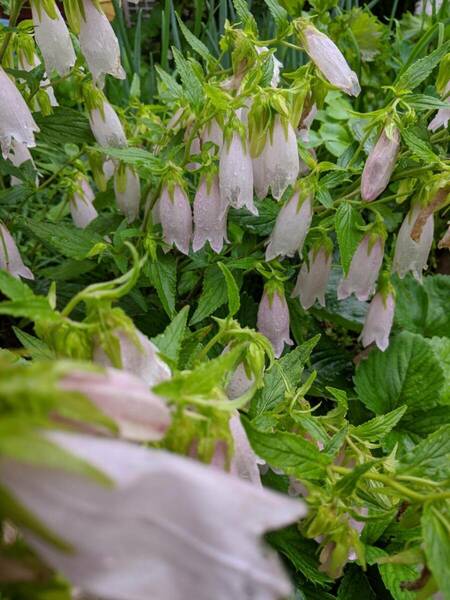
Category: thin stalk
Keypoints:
(15, 12)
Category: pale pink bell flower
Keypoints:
(175, 215)
(236, 175)
(10, 259)
(364, 269)
(210, 216)
(379, 165)
(53, 39)
(273, 319)
(411, 256)
(81, 205)
(378, 321)
(313, 278)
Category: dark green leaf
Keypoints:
(355, 585)
(64, 126)
(421, 69)
(430, 458)
(436, 536)
(163, 275)
(214, 294)
(14, 288)
(234, 301)
(347, 223)
(378, 427)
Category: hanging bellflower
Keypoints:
(53, 39)
(106, 126)
(273, 318)
(127, 189)
(81, 206)
(138, 356)
(364, 268)
(380, 164)
(175, 216)
(291, 227)
(378, 321)
(10, 259)
(16, 121)
(210, 216)
(99, 44)
(410, 255)
(281, 159)
(442, 116)
(27, 65)
(328, 59)
(168, 527)
(236, 174)
(313, 277)
(140, 414)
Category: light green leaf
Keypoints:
(214, 294)
(421, 69)
(14, 288)
(163, 275)
(196, 45)
(133, 156)
(376, 428)
(430, 458)
(278, 13)
(436, 537)
(191, 82)
(420, 148)
(169, 342)
(234, 301)
(347, 223)
(393, 575)
(35, 308)
(37, 348)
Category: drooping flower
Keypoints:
(26, 65)
(239, 383)
(378, 321)
(313, 278)
(10, 259)
(106, 126)
(174, 212)
(281, 160)
(82, 209)
(364, 269)
(411, 255)
(138, 356)
(127, 189)
(273, 318)
(16, 121)
(18, 155)
(236, 175)
(426, 6)
(210, 217)
(277, 66)
(53, 39)
(261, 180)
(169, 527)
(212, 133)
(291, 226)
(99, 44)
(329, 60)
(194, 150)
(139, 414)
(380, 164)
(442, 116)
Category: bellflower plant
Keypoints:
(210, 216)
(412, 256)
(313, 277)
(273, 318)
(10, 259)
(380, 164)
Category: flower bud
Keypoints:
(81, 205)
(236, 175)
(18, 155)
(411, 255)
(127, 189)
(10, 259)
(53, 39)
(273, 319)
(379, 165)
(442, 116)
(138, 355)
(140, 414)
(261, 180)
(378, 322)
(16, 121)
(313, 278)
(106, 126)
(210, 217)
(281, 160)
(174, 212)
(99, 44)
(292, 225)
(329, 60)
(364, 268)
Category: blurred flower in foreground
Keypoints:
(378, 321)
(10, 259)
(273, 318)
(53, 39)
(170, 528)
(328, 59)
(236, 175)
(138, 355)
(174, 213)
(210, 216)
(99, 44)
(380, 164)
(82, 209)
(127, 189)
(125, 398)
(291, 227)
(364, 268)
(411, 255)
(313, 277)
(442, 116)
(16, 121)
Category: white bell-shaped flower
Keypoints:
(18, 155)
(291, 227)
(442, 116)
(273, 319)
(379, 165)
(16, 121)
(175, 215)
(127, 189)
(236, 175)
(313, 278)
(281, 159)
(412, 256)
(106, 127)
(378, 322)
(53, 39)
(81, 205)
(10, 259)
(364, 269)
(99, 44)
(210, 216)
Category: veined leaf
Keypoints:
(420, 148)
(169, 342)
(430, 458)
(347, 223)
(196, 45)
(14, 288)
(191, 83)
(214, 294)
(421, 69)
(234, 301)
(378, 427)
(436, 536)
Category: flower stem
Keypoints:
(15, 12)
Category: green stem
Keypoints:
(15, 12)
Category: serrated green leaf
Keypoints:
(63, 126)
(378, 427)
(37, 349)
(196, 45)
(35, 308)
(436, 537)
(243, 12)
(288, 451)
(214, 294)
(13, 287)
(424, 102)
(355, 585)
(393, 575)
(172, 86)
(234, 301)
(163, 275)
(348, 483)
(278, 13)
(133, 156)
(430, 458)
(169, 342)
(408, 372)
(421, 69)
(347, 223)
(441, 348)
(420, 148)
(191, 82)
